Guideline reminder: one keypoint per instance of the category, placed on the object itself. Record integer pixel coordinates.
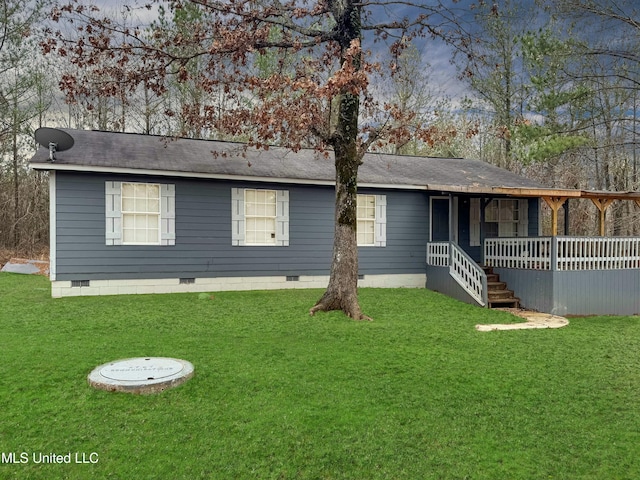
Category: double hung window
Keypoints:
(140, 213)
(502, 218)
(371, 220)
(259, 217)
(366, 220)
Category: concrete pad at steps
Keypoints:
(533, 320)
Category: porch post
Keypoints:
(554, 203)
(565, 205)
(602, 205)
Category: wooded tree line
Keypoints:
(551, 89)
(26, 88)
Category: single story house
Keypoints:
(135, 213)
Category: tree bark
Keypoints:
(342, 291)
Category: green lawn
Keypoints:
(418, 393)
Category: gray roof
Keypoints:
(134, 153)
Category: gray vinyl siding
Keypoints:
(439, 280)
(597, 292)
(534, 288)
(203, 233)
(407, 235)
(589, 292)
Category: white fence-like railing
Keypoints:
(468, 274)
(530, 252)
(462, 268)
(438, 254)
(563, 253)
(587, 253)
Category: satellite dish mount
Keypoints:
(55, 140)
(52, 151)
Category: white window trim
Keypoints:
(270, 218)
(238, 218)
(134, 212)
(113, 215)
(380, 222)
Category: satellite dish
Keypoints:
(53, 139)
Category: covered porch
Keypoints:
(554, 274)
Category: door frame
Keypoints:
(453, 216)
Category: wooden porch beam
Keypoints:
(602, 195)
(602, 204)
(554, 203)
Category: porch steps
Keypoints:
(497, 292)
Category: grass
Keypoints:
(418, 393)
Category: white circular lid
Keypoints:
(142, 369)
(141, 375)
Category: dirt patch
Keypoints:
(519, 312)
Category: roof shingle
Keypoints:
(110, 151)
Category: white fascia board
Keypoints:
(214, 176)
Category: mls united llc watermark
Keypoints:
(39, 457)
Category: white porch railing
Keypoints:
(587, 253)
(563, 253)
(462, 268)
(438, 254)
(526, 252)
(468, 274)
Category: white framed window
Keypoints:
(139, 213)
(371, 220)
(259, 217)
(504, 217)
(366, 220)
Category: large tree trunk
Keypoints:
(342, 291)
